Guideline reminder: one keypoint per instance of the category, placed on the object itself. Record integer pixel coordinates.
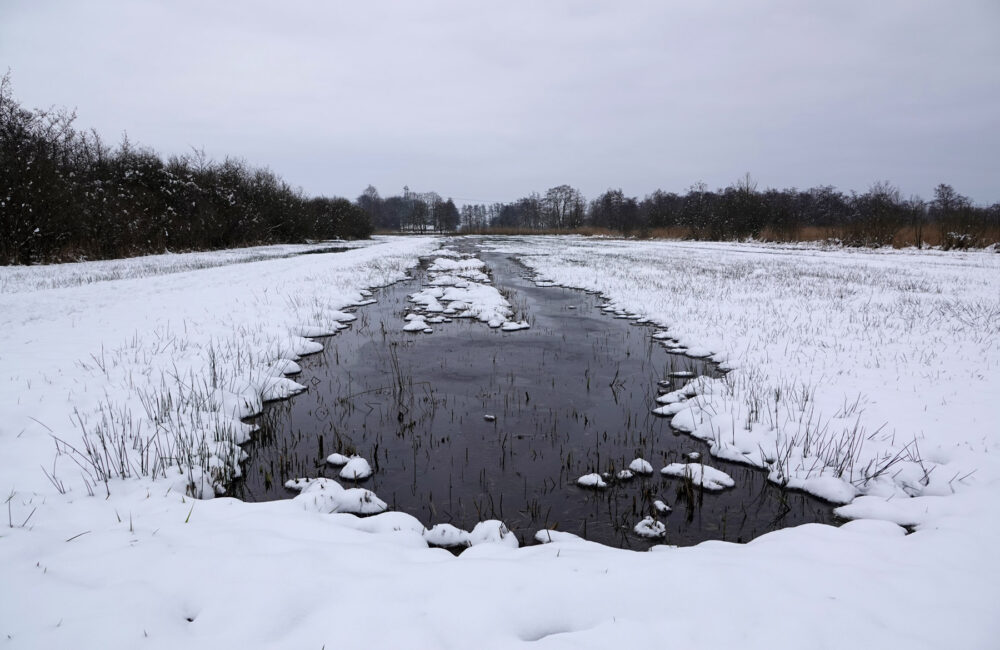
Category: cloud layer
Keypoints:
(488, 103)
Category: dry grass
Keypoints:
(904, 237)
(672, 232)
(929, 235)
(586, 231)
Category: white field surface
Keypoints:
(902, 346)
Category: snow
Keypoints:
(356, 469)
(459, 288)
(671, 409)
(902, 345)
(513, 326)
(417, 324)
(651, 528)
(337, 459)
(704, 476)
(492, 531)
(15, 279)
(547, 536)
(446, 535)
(591, 481)
(327, 496)
(661, 507)
(640, 466)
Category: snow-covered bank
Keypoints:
(853, 372)
(14, 279)
(148, 566)
(159, 368)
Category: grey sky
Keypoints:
(490, 102)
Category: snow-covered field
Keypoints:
(20, 278)
(864, 375)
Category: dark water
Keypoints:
(572, 395)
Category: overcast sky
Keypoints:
(488, 102)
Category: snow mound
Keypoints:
(640, 466)
(452, 265)
(460, 288)
(650, 528)
(327, 496)
(417, 324)
(278, 388)
(492, 531)
(356, 469)
(512, 326)
(547, 536)
(282, 367)
(447, 536)
(337, 459)
(591, 481)
(702, 475)
(661, 507)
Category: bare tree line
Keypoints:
(878, 217)
(409, 212)
(66, 195)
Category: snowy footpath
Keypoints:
(871, 378)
